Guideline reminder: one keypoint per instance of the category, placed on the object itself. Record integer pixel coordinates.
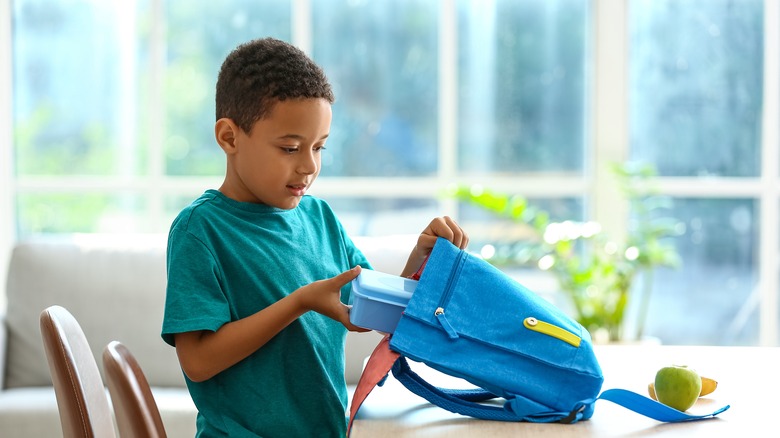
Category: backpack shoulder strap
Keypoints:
(378, 366)
(650, 408)
(465, 402)
(522, 409)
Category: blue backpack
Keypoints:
(468, 319)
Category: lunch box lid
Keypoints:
(387, 288)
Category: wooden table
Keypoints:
(748, 377)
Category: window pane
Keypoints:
(696, 85)
(75, 88)
(80, 213)
(712, 297)
(522, 85)
(381, 58)
(198, 38)
(378, 216)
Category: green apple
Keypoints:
(677, 386)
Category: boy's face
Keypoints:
(277, 163)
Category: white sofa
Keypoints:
(115, 287)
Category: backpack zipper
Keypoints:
(445, 298)
(548, 329)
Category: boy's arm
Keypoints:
(444, 227)
(203, 354)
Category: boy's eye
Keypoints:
(289, 150)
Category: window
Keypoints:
(112, 116)
(695, 93)
(382, 60)
(522, 81)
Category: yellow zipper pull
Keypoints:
(534, 324)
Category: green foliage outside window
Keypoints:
(595, 272)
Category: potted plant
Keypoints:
(596, 273)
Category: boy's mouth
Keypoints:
(297, 189)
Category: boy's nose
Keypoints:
(308, 164)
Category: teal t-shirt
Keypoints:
(228, 260)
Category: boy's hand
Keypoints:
(203, 354)
(444, 227)
(324, 297)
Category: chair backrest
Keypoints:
(136, 412)
(81, 396)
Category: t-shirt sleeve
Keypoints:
(194, 298)
(336, 228)
(355, 255)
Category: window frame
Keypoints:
(769, 248)
(608, 142)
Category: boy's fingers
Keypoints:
(439, 227)
(348, 324)
(426, 241)
(347, 276)
(353, 328)
(457, 232)
(447, 228)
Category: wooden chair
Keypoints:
(136, 412)
(81, 397)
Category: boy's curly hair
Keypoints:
(261, 72)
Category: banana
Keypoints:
(707, 387)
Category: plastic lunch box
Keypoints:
(379, 299)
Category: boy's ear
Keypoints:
(226, 132)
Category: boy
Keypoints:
(258, 272)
